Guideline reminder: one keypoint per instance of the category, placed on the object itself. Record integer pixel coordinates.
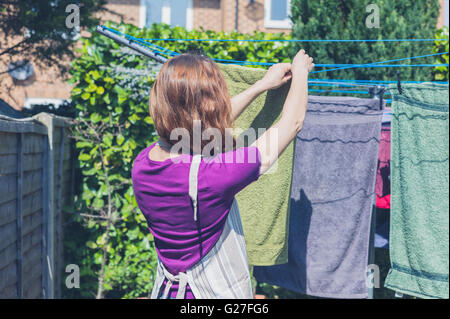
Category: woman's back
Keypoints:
(162, 193)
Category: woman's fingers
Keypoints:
(287, 77)
(286, 67)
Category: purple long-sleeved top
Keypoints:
(162, 193)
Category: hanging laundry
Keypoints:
(382, 228)
(383, 185)
(331, 201)
(264, 205)
(419, 240)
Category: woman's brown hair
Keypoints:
(188, 88)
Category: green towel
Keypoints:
(264, 205)
(419, 241)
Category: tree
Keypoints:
(44, 30)
(356, 19)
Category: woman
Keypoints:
(188, 200)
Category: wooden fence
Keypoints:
(36, 181)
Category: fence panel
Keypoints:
(36, 181)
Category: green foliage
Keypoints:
(346, 19)
(111, 97)
(441, 72)
(235, 50)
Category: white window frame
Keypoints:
(165, 14)
(276, 24)
(29, 101)
(446, 12)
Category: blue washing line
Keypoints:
(388, 101)
(340, 66)
(384, 66)
(341, 86)
(294, 40)
(339, 83)
(169, 53)
(344, 91)
(343, 66)
(375, 81)
(338, 91)
(334, 84)
(325, 82)
(382, 62)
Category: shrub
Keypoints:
(441, 72)
(339, 19)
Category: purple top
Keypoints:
(162, 193)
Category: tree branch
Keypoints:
(14, 46)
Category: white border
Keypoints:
(276, 24)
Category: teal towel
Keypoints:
(419, 241)
(264, 204)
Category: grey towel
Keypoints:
(331, 201)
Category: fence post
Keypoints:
(48, 205)
(59, 237)
(19, 217)
(45, 281)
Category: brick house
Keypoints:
(244, 16)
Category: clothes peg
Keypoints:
(399, 85)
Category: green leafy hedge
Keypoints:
(111, 97)
(441, 72)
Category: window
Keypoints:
(276, 14)
(446, 13)
(173, 12)
(31, 101)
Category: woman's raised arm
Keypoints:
(275, 140)
(276, 76)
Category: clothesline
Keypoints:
(164, 51)
(294, 40)
(382, 62)
(158, 50)
(339, 66)
(377, 81)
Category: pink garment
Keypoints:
(383, 180)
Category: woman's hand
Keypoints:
(302, 63)
(276, 76)
(293, 114)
